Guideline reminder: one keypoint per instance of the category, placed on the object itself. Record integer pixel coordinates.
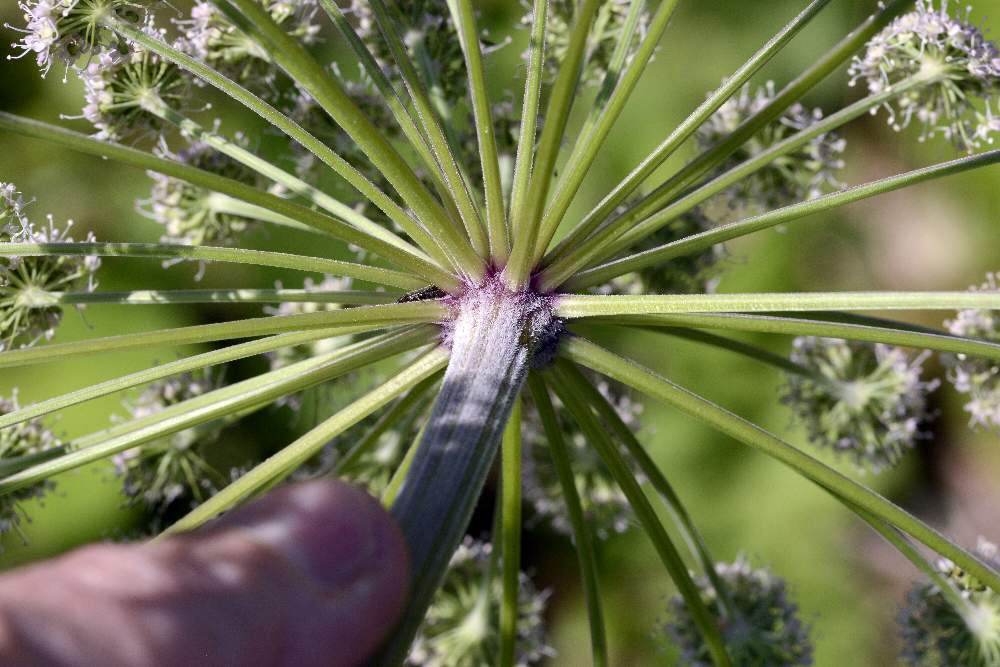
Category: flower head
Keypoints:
(864, 400)
(760, 625)
(461, 627)
(193, 215)
(24, 439)
(607, 32)
(428, 33)
(959, 64)
(936, 633)
(605, 506)
(29, 306)
(977, 377)
(171, 469)
(209, 36)
(68, 30)
(127, 94)
(802, 174)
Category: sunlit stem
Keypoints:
(576, 306)
(152, 297)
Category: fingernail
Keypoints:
(333, 532)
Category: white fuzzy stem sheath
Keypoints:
(492, 337)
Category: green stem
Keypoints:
(570, 394)
(892, 333)
(300, 65)
(496, 223)
(576, 306)
(510, 535)
(187, 364)
(715, 155)
(372, 274)
(352, 320)
(699, 242)
(399, 477)
(523, 228)
(227, 186)
(583, 539)
(646, 381)
(324, 153)
(283, 463)
(157, 297)
(220, 403)
(644, 219)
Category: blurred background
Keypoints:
(848, 583)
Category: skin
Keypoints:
(314, 574)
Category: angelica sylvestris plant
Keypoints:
(460, 328)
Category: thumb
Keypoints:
(310, 575)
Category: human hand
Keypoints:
(314, 574)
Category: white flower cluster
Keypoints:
(977, 377)
(958, 63)
(867, 401)
(461, 628)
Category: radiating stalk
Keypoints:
(293, 130)
(583, 538)
(281, 260)
(510, 535)
(557, 112)
(658, 480)
(257, 391)
(577, 306)
(523, 229)
(648, 382)
(392, 97)
(891, 333)
(278, 466)
(292, 183)
(254, 20)
(393, 417)
(216, 183)
(464, 16)
(156, 297)
(446, 159)
(489, 358)
(704, 240)
(139, 378)
(586, 151)
(353, 320)
(644, 219)
(575, 401)
(715, 155)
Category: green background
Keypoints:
(848, 583)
